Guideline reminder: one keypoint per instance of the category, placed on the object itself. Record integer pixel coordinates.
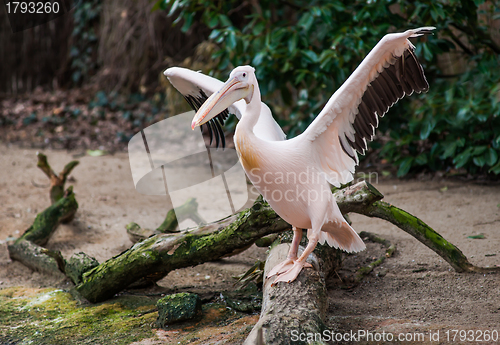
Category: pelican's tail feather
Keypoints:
(339, 234)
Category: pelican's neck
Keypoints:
(252, 112)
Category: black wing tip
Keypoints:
(354, 158)
(214, 126)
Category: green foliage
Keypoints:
(83, 51)
(304, 50)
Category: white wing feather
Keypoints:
(335, 121)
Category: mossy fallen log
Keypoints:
(28, 249)
(77, 265)
(156, 256)
(370, 205)
(295, 309)
(38, 258)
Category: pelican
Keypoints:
(294, 175)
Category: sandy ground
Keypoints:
(413, 291)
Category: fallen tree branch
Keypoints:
(370, 205)
(46, 222)
(189, 210)
(28, 248)
(156, 256)
(37, 258)
(56, 181)
(300, 306)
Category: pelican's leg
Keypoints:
(293, 272)
(292, 255)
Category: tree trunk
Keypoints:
(291, 310)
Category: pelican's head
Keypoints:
(240, 85)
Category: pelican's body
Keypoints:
(293, 189)
(294, 175)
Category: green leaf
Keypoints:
(306, 21)
(224, 20)
(231, 40)
(257, 60)
(96, 153)
(188, 20)
(427, 127)
(477, 237)
(214, 34)
(292, 43)
(449, 150)
(495, 169)
(462, 158)
(213, 22)
(173, 8)
(479, 150)
(479, 161)
(421, 159)
(491, 157)
(312, 56)
(404, 166)
(258, 28)
(427, 52)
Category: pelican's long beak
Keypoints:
(232, 91)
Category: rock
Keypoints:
(177, 307)
(77, 265)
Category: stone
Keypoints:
(177, 307)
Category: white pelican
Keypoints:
(294, 175)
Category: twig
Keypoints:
(56, 181)
(391, 248)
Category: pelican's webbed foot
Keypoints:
(288, 270)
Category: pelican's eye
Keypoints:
(244, 75)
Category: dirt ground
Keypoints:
(414, 291)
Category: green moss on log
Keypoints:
(422, 232)
(46, 222)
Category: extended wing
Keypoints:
(348, 121)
